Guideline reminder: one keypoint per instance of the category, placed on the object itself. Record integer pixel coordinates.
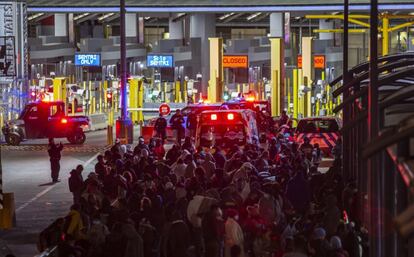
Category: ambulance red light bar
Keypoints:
(230, 116)
(213, 116)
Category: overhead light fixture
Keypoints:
(83, 15)
(252, 16)
(225, 16)
(105, 16)
(35, 16)
(147, 18)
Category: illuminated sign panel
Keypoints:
(235, 61)
(318, 61)
(87, 59)
(160, 61)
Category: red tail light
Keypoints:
(109, 95)
(213, 117)
(230, 116)
(64, 121)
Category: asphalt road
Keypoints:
(38, 202)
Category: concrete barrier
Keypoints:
(98, 121)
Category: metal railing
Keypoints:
(50, 252)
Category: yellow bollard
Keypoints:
(1, 120)
(185, 92)
(288, 95)
(73, 106)
(317, 107)
(177, 95)
(275, 104)
(140, 101)
(93, 105)
(133, 99)
(8, 213)
(385, 35)
(105, 89)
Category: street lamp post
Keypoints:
(124, 126)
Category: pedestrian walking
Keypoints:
(54, 155)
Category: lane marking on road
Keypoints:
(85, 164)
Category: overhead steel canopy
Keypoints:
(71, 6)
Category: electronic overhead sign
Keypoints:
(235, 61)
(160, 61)
(87, 59)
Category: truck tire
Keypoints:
(13, 139)
(78, 138)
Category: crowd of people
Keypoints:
(263, 200)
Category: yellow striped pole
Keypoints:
(287, 92)
(295, 94)
(73, 106)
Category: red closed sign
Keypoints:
(318, 61)
(235, 61)
(164, 109)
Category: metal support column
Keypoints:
(346, 151)
(277, 75)
(374, 169)
(308, 73)
(124, 125)
(215, 90)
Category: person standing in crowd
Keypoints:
(141, 198)
(177, 122)
(284, 118)
(192, 124)
(316, 155)
(76, 184)
(307, 148)
(100, 168)
(213, 232)
(161, 128)
(233, 233)
(140, 146)
(54, 151)
(178, 237)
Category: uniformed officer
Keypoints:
(54, 154)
